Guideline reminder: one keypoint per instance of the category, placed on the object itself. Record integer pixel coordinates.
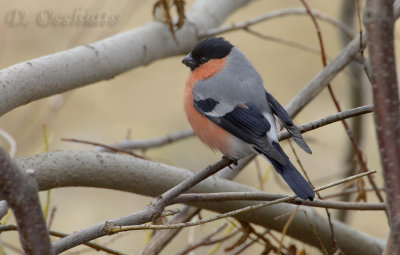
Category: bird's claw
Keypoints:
(234, 161)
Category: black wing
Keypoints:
(279, 111)
(246, 122)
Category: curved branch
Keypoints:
(65, 169)
(20, 191)
(56, 73)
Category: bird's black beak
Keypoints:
(189, 61)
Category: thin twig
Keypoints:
(329, 119)
(316, 234)
(150, 143)
(177, 136)
(319, 196)
(117, 229)
(97, 247)
(285, 228)
(324, 62)
(111, 148)
(248, 244)
(294, 44)
(162, 237)
(208, 240)
(349, 133)
(273, 15)
(251, 196)
(349, 191)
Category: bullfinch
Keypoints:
(229, 109)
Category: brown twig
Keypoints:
(348, 12)
(323, 56)
(102, 145)
(206, 241)
(316, 234)
(294, 44)
(273, 15)
(328, 214)
(339, 109)
(285, 228)
(151, 143)
(244, 246)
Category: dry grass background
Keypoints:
(148, 102)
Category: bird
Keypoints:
(229, 110)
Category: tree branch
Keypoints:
(163, 236)
(56, 73)
(277, 14)
(179, 135)
(321, 80)
(228, 196)
(150, 143)
(93, 245)
(124, 173)
(379, 23)
(117, 229)
(20, 191)
(329, 120)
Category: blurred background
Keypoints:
(147, 102)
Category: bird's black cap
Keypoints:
(210, 48)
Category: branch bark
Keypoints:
(105, 170)
(20, 191)
(379, 23)
(56, 73)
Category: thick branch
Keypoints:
(379, 23)
(64, 169)
(20, 191)
(41, 77)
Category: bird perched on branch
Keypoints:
(229, 109)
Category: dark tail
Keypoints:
(292, 177)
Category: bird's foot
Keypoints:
(234, 161)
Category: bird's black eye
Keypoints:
(203, 60)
